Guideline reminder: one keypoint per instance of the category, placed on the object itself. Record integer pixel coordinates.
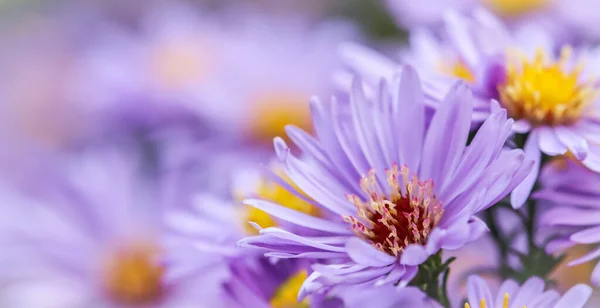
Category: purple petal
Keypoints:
(588, 257)
(413, 255)
(546, 299)
(559, 245)
(458, 31)
(365, 254)
(394, 276)
(447, 134)
(363, 122)
(587, 236)
(595, 277)
(325, 133)
(409, 114)
(532, 152)
(549, 143)
(477, 290)
(298, 218)
(521, 126)
(532, 288)
(574, 141)
(592, 160)
(475, 159)
(477, 228)
(570, 217)
(508, 286)
(576, 297)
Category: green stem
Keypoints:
(428, 278)
(530, 227)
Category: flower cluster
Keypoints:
(263, 155)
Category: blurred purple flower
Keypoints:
(96, 236)
(530, 294)
(410, 202)
(388, 296)
(572, 191)
(243, 72)
(214, 228)
(569, 20)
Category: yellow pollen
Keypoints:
(273, 111)
(561, 161)
(269, 190)
(482, 303)
(546, 94)
(514, 8)
(459, 70)
(405, 216)
(287, 294)
(132, 275)
(181, 62)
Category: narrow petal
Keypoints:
(595, 277)
(592, 160)
(532, 152)
(570, 217)
(532, 288)
(414, 255)
(409, 112)
(322, 119)
(447, 133)
(588, 257)
(365, 254)
(394, 276)
(575, 142)
(477, 290)
(576, 297)
(587, 236)
(508, 286)
(364, 130)
(549, 143)
(297, 218)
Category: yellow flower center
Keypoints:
(545, 93)
(268, 190)
(287, 294)
(132, 275)
(483, 304)
(181, 62)
(274, 110)
(513, 8)
(459, 70)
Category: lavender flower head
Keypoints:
(509, 295)
(568, 20)
(389, 200)
(97, 237)
(217, 224)
(571, 191)
(552, 98)
(530, 294)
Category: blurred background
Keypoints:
(200, 86)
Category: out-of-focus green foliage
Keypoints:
(373, 17)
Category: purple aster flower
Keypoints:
(531, 294)
(271, 66)
(98, 238)
(509, 295)
(569, 20)
(243, 72)
(552, 98)
(215, 227)
(389, 296)
(389, 199)
(572, 192)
